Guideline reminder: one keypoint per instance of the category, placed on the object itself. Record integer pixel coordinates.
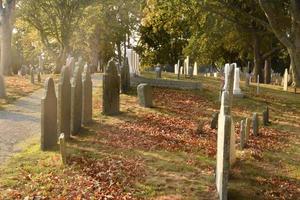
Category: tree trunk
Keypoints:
(119, 55)
(61, 60)
(258, 61)
(295, 65)
(6, 22)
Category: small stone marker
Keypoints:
(76, 102)
(257, 86)
(125, 78)
(32, 75)
(266, 120)
(144, 92)
(242, 134)
(87, 97)
(49, 117)
(285, 80)
(64, 103)
(158, 71)
(247, 129)
(39, 77)
(255, 124)
(111, 90)
(62, 145)
(2, 87)
(214, 121)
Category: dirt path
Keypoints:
(21, 121)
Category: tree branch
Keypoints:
(272, 17)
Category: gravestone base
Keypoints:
(239, 95)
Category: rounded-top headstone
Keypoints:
(111, 68)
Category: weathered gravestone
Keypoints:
(76, 101)
(87, 97)
(111, 90)
(285, 80)
(236, 87)
(255, 124)
(2, 87)
(257, 85)
(71, 65)
(158, 71)
(125, 77)
(247, 80)
(214, 121)
(144, 92)
(195, 71)
(32, 75)
(64, 103)
(266, 117)
(62, 147)
(242, 134)
(247, 129)
(49, 117)
(39, 77)
(224, 147)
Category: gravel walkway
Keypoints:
(21, 121)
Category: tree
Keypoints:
(7, 9)
(56, 21)
(284, 20)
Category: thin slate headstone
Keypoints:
(257, 86)
(62, 147)
(64, 103)
(2, 87)
(266, 120)
(247, 129)
(87, 97)
(214, 121)
(125, 77)
(237, 92)
(32, 75)
(49, 117)
(144, 92)
(255, 124)
(247, 80)
(242, 134)
(76, 102)
(111, 90)
(39, 77)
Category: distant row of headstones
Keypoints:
(223, 121)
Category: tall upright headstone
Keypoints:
(255, 124)
(2, 87)
(224, 147)
(257, 85)
(87, 97)
(111, 90)
(285, 80)
(247, 129)
(64, 103)
(236, 87)
(32, 75)
(76, 102)
(49, 135)
(195, 72)
(125, 77)
(176, 69)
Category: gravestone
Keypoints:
(32, 75)
(87, 97)
(39, 77)
(266, 117)
(195, 72)
(76, 102)
(242, 134)
(2, 87)
(62, 147)
(285, 80)
(236, 86)
(181, 70)
(224, 147)
(111, 90)
(125, 78)
(247, 129)
(190, 71)
(257, 86)
(71, 65)
(144, 92)
(255, 124)
(158, 71)
(49, 117)
(64, 103)
(214, 121)
(176, 69)
(247, 80)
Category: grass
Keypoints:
(156, 153)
